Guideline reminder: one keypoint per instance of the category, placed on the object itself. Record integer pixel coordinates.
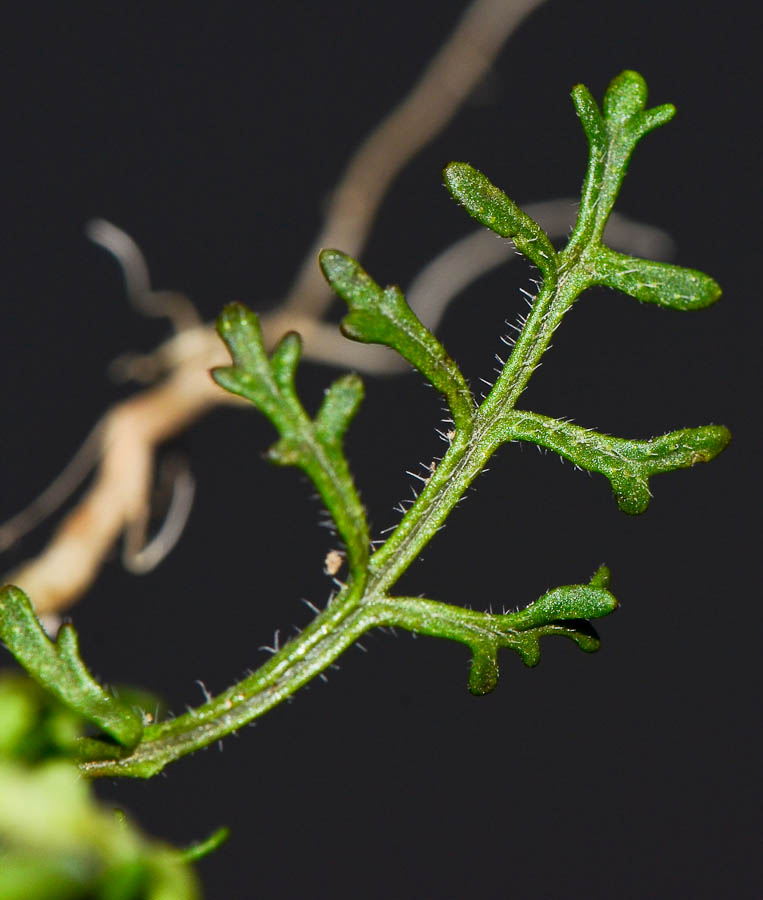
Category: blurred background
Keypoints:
(213, 136)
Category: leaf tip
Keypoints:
(331, 260)
(483, 673)
(632, 494)
(455, 172)
(625, 96)
(601, 577)
(285, 357)
(707, 442)
(348, 278)
(234, 315)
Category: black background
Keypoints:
(213, 137)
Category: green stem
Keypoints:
(467, 456)
(300, 660)
(331, 633)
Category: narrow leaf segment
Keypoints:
(382, 316)
(666, 285)
(626, 463)
(490, 206)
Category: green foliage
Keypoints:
(656, 282)
(56, 841)
(628, 464)
(59, 669)
(381, 315)
(562, 611)
(34, 725)
(490, 206)
(314, 446)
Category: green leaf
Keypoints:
(313, 446)
(382, 316)
(625, 107)
(656, 282)
(490, 206)
(240, 328)
(284, 361)
(624, 98)
(562, 611)
(590, 117)
(251, 375)
(340, 403)
(571, 601)
(601, 577)
(628, 464)
(59, 669)
(612, 138)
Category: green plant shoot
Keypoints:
(314, 444)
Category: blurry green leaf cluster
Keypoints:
(57, 842)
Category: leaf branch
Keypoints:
(313, 446)
(628, 464)
(612, 135)
(562, 611)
